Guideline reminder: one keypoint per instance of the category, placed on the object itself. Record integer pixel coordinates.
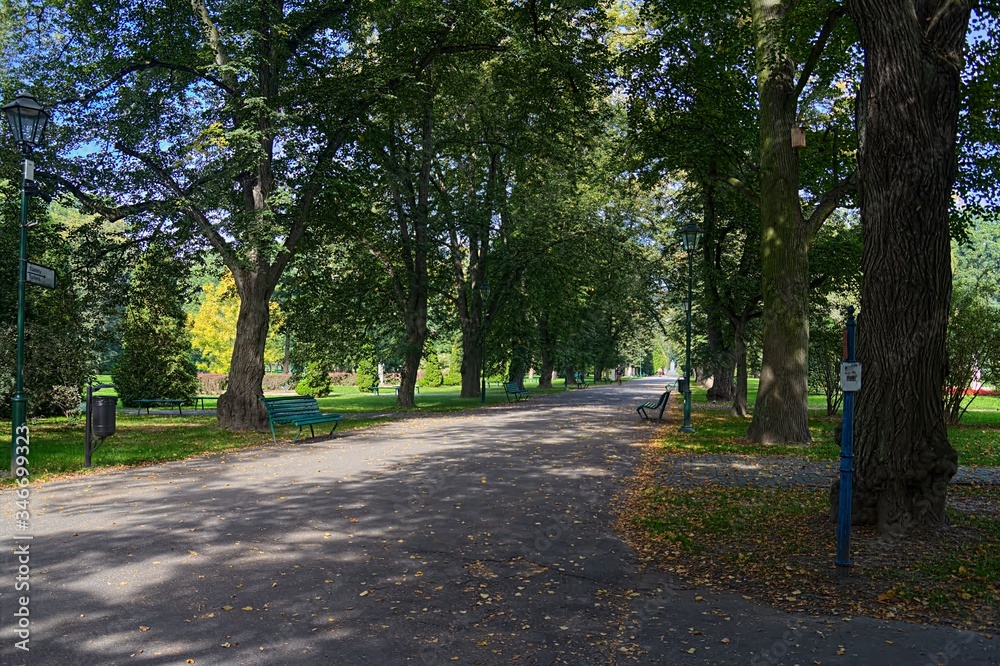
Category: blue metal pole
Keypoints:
(19, 403)
(843, 559)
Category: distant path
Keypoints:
(480, 537)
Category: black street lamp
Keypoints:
(27, 119)
(690, 236)
(484, 292)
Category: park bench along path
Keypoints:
(480, 537)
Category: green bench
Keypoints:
(512, 389)
(376, 389)
(153, 402)
(298, 410)
(652, 406)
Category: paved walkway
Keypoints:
(477, 538)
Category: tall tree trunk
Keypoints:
(781, 411)
(239, 407)
(570, 375)
(723, 357)
(472, 362)
(286, 363)
(740, 405)
(416, 335)
(908, 119)
(519, 359)
(547, 345)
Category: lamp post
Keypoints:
(27, 119)
(690, 236)
(484, 293)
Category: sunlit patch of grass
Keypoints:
(57, 447)
(717, 431)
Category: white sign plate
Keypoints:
(40, 275)
(850, 376)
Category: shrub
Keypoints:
(367, 376)
(67, 399)
(211, 383)
(342, 379)
(432, 371)
(454, 376)
(315, 380)
(156, 346)
(278, 381)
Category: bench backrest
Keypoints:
(287, 409)
(512, 387)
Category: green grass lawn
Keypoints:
(716, 431)
(57, 446)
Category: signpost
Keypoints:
(850, 383)
(41, 275)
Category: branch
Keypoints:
(195, 214)
(939, 15)
(321, 17)
(829, 202)
(817, 50)
(140, 67)
(110, 213)
(741, 186)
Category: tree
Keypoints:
(700, 120)
(222, 122)
(213, 327)
(781, 410)
(156, 346)
(315, 380)
(432, 369)
(908, 118)
(973, 348)
(367, 373)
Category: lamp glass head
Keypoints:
(27, 119)
(690, 236)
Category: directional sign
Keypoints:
(42, 276)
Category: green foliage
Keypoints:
(454, 376)
(367, 373)
(156, 346)
(58, 354)
(825, 354)
(432, 370)
(315, 380)
(973, 347)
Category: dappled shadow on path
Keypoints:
(484, 536)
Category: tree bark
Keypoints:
(547, 345)
(286, 363)
(740, 403)
(239, 407)
(472, 362)
(908, 116)
(725, 360)
(781, 410)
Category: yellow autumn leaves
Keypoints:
(213, 327)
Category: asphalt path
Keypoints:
(481, 537)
